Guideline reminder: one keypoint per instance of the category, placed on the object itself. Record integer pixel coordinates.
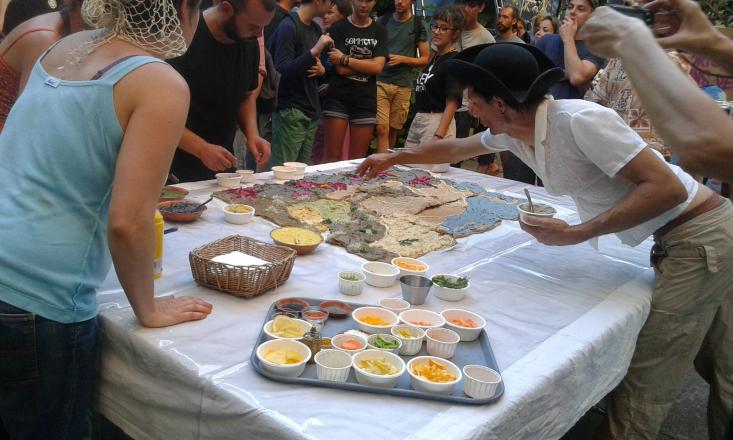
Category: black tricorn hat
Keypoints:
(516, 72)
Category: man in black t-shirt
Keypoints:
(221, 68)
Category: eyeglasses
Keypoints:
(440, 29)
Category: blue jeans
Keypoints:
(47, 376)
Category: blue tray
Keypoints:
(475, 352)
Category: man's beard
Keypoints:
(230, 30)
(502, 28)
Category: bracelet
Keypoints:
(341, 60)
(346, 63)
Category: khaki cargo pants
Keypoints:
(691, 320)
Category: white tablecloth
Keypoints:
(562, 322)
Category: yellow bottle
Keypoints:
(158, 258)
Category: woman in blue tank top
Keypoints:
(83, 156)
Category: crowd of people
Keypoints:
(101, 100)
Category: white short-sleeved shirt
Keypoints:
(580, 148)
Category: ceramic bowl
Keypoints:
(390, 318)
(377, 380)
(540, 210)
(480, 382)
(292, 305)
(335, 309)
(421, 384)
(424, 319)
(372, 338)
(333, 365)
(302, 325)
(288, 370)
(284, 173)
(352, 286)
(411, 344)
(238, 218)
(248, 176)
(449, 293)
(385, 315)
(441, 342)
(420, 267)
(395, 305)
(338, 340)
(228, 180)
(466, 333)
(379, 274)
(301, 249)
(169, 193)
(299, 168)
(166, 210)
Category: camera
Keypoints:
(642, 14)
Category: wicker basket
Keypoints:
(244, 281)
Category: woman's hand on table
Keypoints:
(171, 310)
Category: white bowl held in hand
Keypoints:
(333, 365)
(385, 315)
(286, 370)
(380, 274)
(540, 210)
(420, 383)
(378, 380)
(480, 382)
(460, 320)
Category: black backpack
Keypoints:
(416, 26)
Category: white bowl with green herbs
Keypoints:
(450, 287)
(351, 283)
(382, 341)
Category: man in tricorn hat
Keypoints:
(619, 186)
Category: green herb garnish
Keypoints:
(327, 221)
(460, 283)
(408, 241)
(350, 277)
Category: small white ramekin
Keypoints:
(442, 342)
(480, 382)
(333, 365)
(410, 346)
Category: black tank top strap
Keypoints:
(100, 73)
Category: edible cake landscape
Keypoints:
(405, 213)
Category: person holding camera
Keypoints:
(691, 124)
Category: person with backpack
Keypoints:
(408, 50)
(296, 48)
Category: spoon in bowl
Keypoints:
(529, 199)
